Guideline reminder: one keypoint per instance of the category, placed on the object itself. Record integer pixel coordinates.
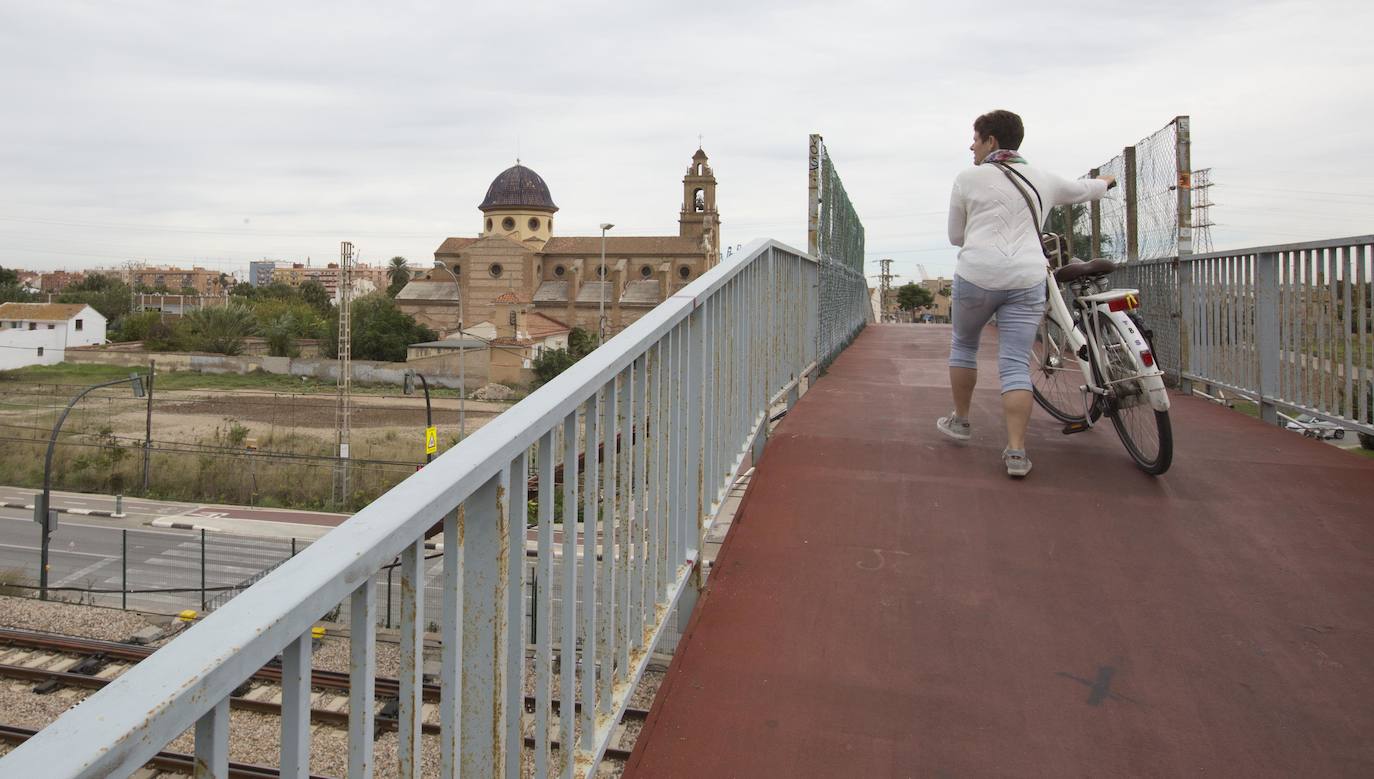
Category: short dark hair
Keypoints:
(1005, 126)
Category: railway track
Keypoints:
(163, 763)
(54, 661)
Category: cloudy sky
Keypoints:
(215, 133)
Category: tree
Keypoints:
(1082, 241)
(244, 290)
(135, 326)
(281, 336)
(398, 273)
(549, 363)
(8, 277)
(221, 329)
(381, 331)
(580, 343)
(912, 296)
(110, 296)
(314, 293)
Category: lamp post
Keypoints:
(601, 306)
(409, 389)
(42, 513)
(462, 351)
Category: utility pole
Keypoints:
(1202, 211)
(345, 383)
(885, 287)
(148, 432)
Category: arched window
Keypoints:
(488, 224)
(699, 201)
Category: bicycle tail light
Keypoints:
(1147, 358)
(1127, 303)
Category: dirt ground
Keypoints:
(195, 414)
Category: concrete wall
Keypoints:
(366, 371)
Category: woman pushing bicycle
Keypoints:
(996, 210)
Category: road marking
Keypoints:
(52, 550)
(92, 568)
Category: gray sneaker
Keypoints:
(955, 427)
(1017, 463)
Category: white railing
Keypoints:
(674, 404)
(1288, 326)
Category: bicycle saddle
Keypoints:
(1077, 270)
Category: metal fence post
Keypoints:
(202, 569)
(124, 568)
(1267, 349)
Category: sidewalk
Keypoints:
(889, 603)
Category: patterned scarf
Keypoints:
(1005, 156)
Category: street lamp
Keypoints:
(409, 388)
(601, 307)
(462, 351)
(42, 513)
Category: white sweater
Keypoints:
(988, 218)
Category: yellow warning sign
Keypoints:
(431, 440)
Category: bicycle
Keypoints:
(1095, 358)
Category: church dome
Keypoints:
(518, 187)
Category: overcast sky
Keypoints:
(214, 133)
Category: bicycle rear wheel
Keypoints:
(1145, 432)
(1056, 379)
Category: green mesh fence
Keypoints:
(835, 236)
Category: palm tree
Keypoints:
(398, 272)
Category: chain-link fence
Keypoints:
(836, 237)
(1148, 216)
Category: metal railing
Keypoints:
(1288, 326)
(674, 405)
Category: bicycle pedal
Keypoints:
(1076, 427)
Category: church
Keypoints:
(520, 281)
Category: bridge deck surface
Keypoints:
(889, 603)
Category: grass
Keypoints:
(74, 374)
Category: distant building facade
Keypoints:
(59, 280)
(366, 278)
(260, 272)
(561, 278)
(202, 280)
(40, 333)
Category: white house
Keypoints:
(39, 333)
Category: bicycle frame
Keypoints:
(1085, 340)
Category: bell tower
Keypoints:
(699, 218)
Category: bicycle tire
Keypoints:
(1056, 379)
(1146, 433)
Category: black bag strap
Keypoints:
(1012, 175)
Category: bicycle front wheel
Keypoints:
(1145, 432)
(1056, 379)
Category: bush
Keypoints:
(221, 329)
(135, 326)
(549, 363)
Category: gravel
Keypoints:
(70, 619)
(255, 738)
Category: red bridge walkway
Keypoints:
(889, 604)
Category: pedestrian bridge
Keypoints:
(887, 602)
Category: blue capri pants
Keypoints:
(1018, 312)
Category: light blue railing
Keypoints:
(664, 416)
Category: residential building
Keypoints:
(58, 280)
(40, 333)
(202, 280)
(260, 272)
(366, 278)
